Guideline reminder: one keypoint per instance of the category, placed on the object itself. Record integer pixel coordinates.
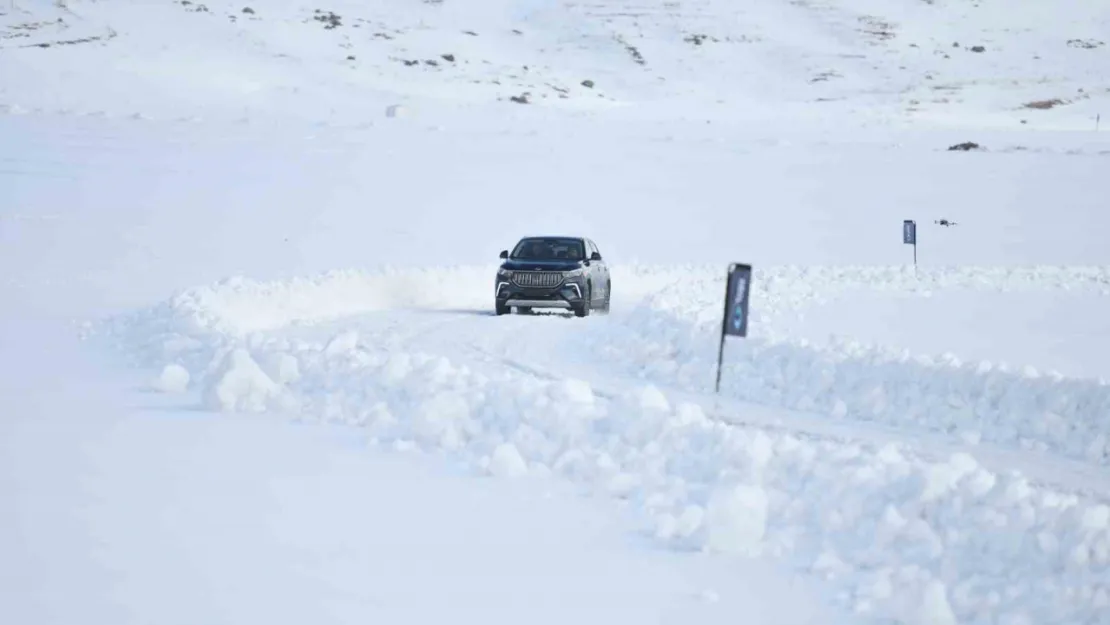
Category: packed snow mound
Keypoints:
(934, 61)
(239, 384)
(905, 538)
(736, 519)
(174, 379)
(667, 337)
(971, 401)
(506, 461)
(670, 339)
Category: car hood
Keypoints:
(541, 265)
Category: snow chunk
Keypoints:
(688, 414)
(829, 564)
(283, 368)
(288, 369)
(442, 420)
(174, 379)
(573, 391)
(651, 398)
(623, 484)
(1097, 517)
(669, 527)
(934, 608)
(942, 478)
(506, 461)
(241, 386)
(397, 368)
(736, 520)
(342, 343)
(690, 520)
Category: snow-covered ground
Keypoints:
(249, 370)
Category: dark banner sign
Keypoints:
(739, 289)
(737, 295)
(909, 232)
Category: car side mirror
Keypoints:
(595, 256)
(504, 253)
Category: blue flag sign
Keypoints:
(909, 232)
(739, 291)
(735, 323)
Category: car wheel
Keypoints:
(501, 310)
(583, 309)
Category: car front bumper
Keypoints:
(566, 295)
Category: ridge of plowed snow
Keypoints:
(670, 338)
(973, 402)
(902, 537)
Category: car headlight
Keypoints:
(573, 273)
(504, 273)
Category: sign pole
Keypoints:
(720, 358)
(735, 319)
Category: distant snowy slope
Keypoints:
(953, 62)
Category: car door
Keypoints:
(600, 270)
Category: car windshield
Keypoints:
(547, 248)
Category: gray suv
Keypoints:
(553, 272)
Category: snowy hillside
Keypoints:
(952, 61)
(249, 370)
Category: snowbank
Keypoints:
(669, 339)
(902, 537)
(976, 401)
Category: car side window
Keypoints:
(596, 249)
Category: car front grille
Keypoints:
(543, 279)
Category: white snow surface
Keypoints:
(249, 370)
